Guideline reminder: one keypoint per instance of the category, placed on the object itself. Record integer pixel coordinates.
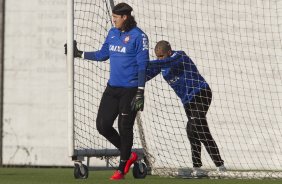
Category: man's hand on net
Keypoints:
(76, 52)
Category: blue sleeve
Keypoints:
(152, 72)
(167, 62)
(100, 55)
(142, 57)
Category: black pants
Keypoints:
(115, 103)
(198, 130)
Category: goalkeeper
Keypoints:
(183, 76)
(127, 48)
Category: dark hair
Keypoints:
(122, 9)
(163, 45)
(129, 23)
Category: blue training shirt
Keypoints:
(180, 73)
(129, 55)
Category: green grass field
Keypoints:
(65, 176)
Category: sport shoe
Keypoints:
(130, 161)
(117, 175)
(221, 168)
(198, 172)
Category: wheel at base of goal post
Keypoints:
(139, 170)
(80, 171)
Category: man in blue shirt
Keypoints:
(127, 48)
(183, 76)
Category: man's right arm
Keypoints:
(167, 61)
(151, 72)
(100, 55)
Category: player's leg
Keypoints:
(202, 103)
(107, 113)
(206, 138)
(194, 142)
(125, 125)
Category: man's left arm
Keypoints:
(142, 58)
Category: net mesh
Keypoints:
(236, 46)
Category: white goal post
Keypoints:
(237, 47)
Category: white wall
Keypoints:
(35, 100)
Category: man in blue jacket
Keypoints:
(127, 48)
(183, 76)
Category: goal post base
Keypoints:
(186, 173)
(102, 153)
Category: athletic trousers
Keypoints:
(115, 103)
(198, 130)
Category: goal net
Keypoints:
(237, 48)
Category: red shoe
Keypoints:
(129, 162)
(117, 175)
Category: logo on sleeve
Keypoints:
(145, 42)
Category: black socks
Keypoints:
(121, 166)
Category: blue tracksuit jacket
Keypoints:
(128, 54)
(180, 73)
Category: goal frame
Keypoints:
(78, 155)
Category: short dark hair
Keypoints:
(163, 46)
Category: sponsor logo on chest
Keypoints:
(117, 48)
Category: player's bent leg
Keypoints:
(109, 133)
(107, 113)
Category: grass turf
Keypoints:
(65, 176)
